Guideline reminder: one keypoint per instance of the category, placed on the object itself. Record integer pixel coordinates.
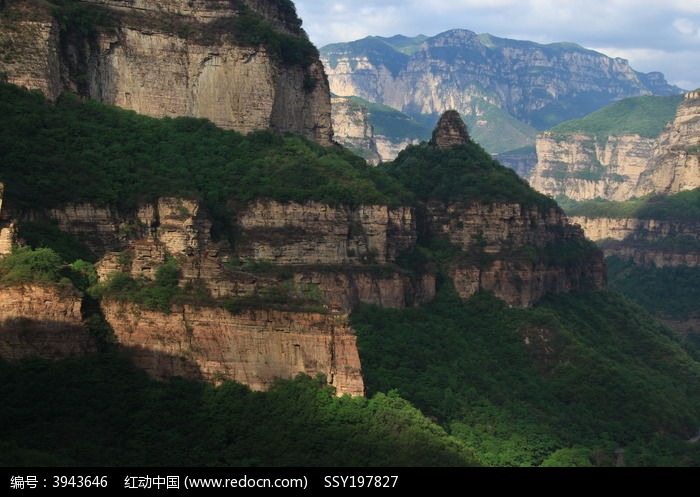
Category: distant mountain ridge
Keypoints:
(541, 85)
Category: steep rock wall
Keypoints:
(348, 254)
(584, 167)
(509, 246)
(170, 59)
(353, 130)
(648, 242)
(581, 168)
(254, 347)
(314, 233)
(676, 163)
(43, 321)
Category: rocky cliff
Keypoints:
(44, 321)
(675, 165)
(377, 133)
(353, 130)
(581, 167)
(174, 58)
(340, 256)
(253, 347)
(539, 84)
(518, 253)
(584, 167)
(648, 242)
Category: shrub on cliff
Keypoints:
(25, 265)
(158, 294)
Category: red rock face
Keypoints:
(255, 347)
(42, 321)
(348, 254)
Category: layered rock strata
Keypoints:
(648, 242)
(254, 347)
(175, 58)
(42, 321)
(584, 167)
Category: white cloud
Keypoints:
(686, 27)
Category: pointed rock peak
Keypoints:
(450, 131)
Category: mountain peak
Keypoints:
(450, 131)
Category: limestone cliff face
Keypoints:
(171, 58)
(507, 242)
(43, 321)
(452, 69)
(253, 347)
(353, 130)
(648, 242)
(346, 255)
(582, 167)
(676, 163)
(450, 131)
(315, 233)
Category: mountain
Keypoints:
(541, 85)
(297, 305)
(295, 252)
(244, 65)
(630, 149)
(376, 132)
(456, 273)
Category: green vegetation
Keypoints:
(669, 292)
(461, 174)
(47, 234)
(496, 130)
(406, 45)
(83, 151)
(25, 265)
(375, 48)
(391, 123)
(565, 383)
(101, 411)
(248, 28)
(158, 294)
(286, 295)
(644, 116)
(683, 206)
(77, 17)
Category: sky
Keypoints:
(653, 35)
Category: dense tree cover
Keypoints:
(101, 411)
(565, 383)
(666, 292)
(461, 174)
(77, 151)
(683, 206)
(644, 116)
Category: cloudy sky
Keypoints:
(653, 35)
